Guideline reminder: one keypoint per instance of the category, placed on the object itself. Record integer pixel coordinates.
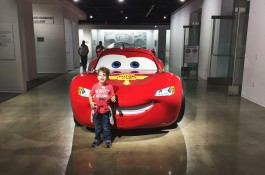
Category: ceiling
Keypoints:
(138, 12)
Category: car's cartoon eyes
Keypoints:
(134, 64)
(116, 64)
(121, 62)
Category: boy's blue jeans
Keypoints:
(102, 122)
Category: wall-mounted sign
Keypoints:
(7, 49)
(40, 39)
(43, 19)
(191, 54)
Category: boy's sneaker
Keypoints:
(107, 144)
(95, 143)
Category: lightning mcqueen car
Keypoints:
(147, 96)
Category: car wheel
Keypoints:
(76, 122)
(182, 109)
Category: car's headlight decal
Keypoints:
(168, 91)
(84, 92)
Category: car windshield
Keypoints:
(121, 45)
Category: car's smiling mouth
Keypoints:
(134, 110)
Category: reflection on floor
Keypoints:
(141, 152)
(6, 96)
(41, 78)
(219, 134)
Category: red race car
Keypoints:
(147, 96)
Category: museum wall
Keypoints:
(69, 44)
(25, 18)
(161, 51)
(75, 44)
(108, 36)
(92, 34)
(155, 40)
(18, 61)
(11, 70)
(167, 45)
(71, 17)
(86, 35)
(182, 17)
(178, 20)
(253, 78)
(50, 50)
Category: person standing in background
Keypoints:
(99, 48)
(83, 51)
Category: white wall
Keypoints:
(50, 54)
(151, 35)
(178, 20)
(12, 77)
(27, 32)
(162, 38)
(181, 18)
(18, 62)
(87, 37)
(69, 44)
(75, 44)
(155, 39)
(253, 78)
(93, 33)
(99, 36)
(71, 17)
(167, 45)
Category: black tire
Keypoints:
(76, 122)
(182, 109)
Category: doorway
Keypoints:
(220, 50)
(228, 50)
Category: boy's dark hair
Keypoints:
(105, 70)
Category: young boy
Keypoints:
(102, 93)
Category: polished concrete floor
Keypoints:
(219, 135)
(41, 79)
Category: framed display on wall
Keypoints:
(7, 49)
(136, 38)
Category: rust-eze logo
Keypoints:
(127, 78)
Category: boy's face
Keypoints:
(102, 77)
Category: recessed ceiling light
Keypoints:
(120, 0)
(76, 0)
(126, 17)
(90, 16)
(182, 0)
(155, 26)
(165, 17)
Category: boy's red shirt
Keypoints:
(102, 95)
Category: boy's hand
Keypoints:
(93, 106)
(113, 99)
